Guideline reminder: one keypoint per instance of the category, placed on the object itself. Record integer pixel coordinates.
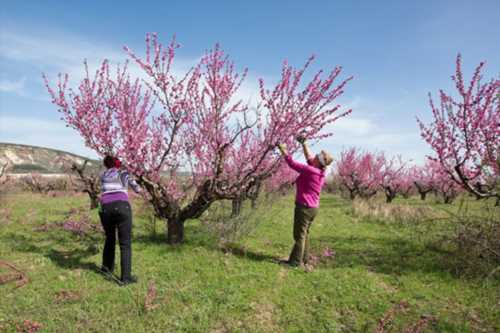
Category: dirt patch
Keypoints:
(381, 284)
(14, 274)
(263, 317)
(67, 296)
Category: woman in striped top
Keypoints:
(116, 214)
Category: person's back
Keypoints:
(116, 215)
(114, 185)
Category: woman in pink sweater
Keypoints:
(309, 183)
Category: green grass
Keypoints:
(201, 288)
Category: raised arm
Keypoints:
(299, 167)
(307, 153)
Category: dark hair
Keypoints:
(109, 161)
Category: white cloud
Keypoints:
(11, 124)
(391, 139)
(353, 126)
(13, 86)
(57, 52)
(353, 104)
(374, 135)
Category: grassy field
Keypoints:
(368, 275)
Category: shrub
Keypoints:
(474, 241)
(227, 227)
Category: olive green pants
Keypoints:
(302, 221)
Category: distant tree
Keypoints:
(359, 173)
(393, 177)
(36, 183)
(3, 173)
(407, 181)
(424, 178)
(88, 182)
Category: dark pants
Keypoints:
(117, 215)
(302, 221)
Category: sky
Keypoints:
(397, 51)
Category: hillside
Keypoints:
(24, 158)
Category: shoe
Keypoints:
(129, 280)
(294, 264)
(283, 262)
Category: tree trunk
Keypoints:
(352, 194)
(253, 194)
(367, 195)
(94, 199)
(422, 190)
(253, 202)
(94, 202)
(175, 232)
(390, 194)
(448, 199)
(389, 198)
(236, 207)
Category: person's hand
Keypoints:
(282, 148)
(301, 139)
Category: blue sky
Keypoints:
(397, 51)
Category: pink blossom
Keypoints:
(465, 132)
(194, 122)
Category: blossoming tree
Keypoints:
(194, 122)
(465, 133)
(424, 178)
(393, 177)
(360, 173)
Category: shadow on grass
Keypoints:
(383, 254)
(156, 239)
(195, 236)
(73, 259)
(242, 252)
(52, 245)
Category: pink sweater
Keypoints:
(309, 182)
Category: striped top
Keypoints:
(114, 185)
